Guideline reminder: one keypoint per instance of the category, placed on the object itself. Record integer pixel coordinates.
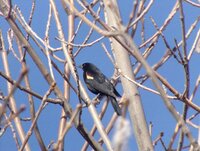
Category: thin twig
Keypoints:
(8, 120)
(166, 22)
(68, 126)
(142, 86)
(30, 131)
(192, 3)
(195, 46)
(6, 100)
(142, 14)
(46, 42)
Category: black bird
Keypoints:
(98, 83)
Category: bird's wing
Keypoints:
(102, 79)
(103, 85)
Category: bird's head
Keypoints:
(87, 66)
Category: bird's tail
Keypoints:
(116, 93)
(115, 105)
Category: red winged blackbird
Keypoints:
(98, 83)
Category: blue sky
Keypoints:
(154, 107)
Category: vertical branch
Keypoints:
(12, 102)
(123, 62)
(186, 62)
(186, 69)
(47, 43)
(30, 98)
(67, 73)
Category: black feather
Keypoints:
(97, 82)
(115, 105)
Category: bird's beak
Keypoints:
(80, 66)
